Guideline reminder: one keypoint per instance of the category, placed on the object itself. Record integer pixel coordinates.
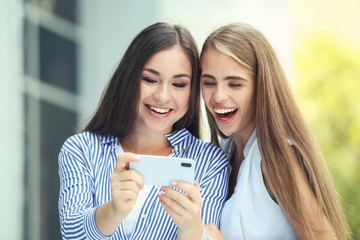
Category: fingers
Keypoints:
(125, 187)
(172, 208)
(191, 191)
(128, 179)
(175, 202)
(123, 160)
(178, 205)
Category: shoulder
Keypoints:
(87, 143)
(207, 148)
(80, 140)
(196, 148)
(209, 156)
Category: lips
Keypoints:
(158, 112)
(225, 114)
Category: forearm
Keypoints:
(107, 219)
(214, 194)
(194, 231)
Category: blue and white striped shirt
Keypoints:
(86, 162)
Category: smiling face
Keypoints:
(164, 91)
(228, 91)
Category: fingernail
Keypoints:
(162, 188)
(136, 157)
(160, 193)
(173, 183)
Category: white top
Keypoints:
(129, 221)
(251, 213)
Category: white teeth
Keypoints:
(224, 110)
(159, 110)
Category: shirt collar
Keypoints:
(179, 138)
(108, 139)
(176, 139)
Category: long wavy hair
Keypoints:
(117, 110)
(278, 119)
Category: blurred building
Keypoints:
(55, 59)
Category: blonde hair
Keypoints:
(278, 119)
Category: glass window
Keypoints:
(57, 124)
(63, 8)
(30, 46)
(58, 60)
(27, 184)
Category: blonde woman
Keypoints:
(279, 186)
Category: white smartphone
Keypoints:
(161, 170)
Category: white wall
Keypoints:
(11, 120)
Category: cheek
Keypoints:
(205, 93)
(143, 91)
(183, 99)
(249, 104)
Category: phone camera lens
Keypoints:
(183, 164)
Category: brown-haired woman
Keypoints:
(279, 185)
(150, 106)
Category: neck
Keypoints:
(240, 140)
(151, 144)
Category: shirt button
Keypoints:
(143, 215)
(176, 150)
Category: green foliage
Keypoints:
(328, 92)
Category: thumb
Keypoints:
(123, 160)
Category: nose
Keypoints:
(162, 94)
(220, 95)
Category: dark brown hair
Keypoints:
(118, 107)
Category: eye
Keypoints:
(235, 85)
(179, 85)
(148, 80)
(209, 83)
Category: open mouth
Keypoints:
(159, 110)
(225, 113)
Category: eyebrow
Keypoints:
(207, 76)
(175, 76)
(226, 78)
(235, 78)
(152, 71)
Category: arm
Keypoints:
(125, 187)
(214, 189)
(212, 232)
(76, 208)
(79, 217)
